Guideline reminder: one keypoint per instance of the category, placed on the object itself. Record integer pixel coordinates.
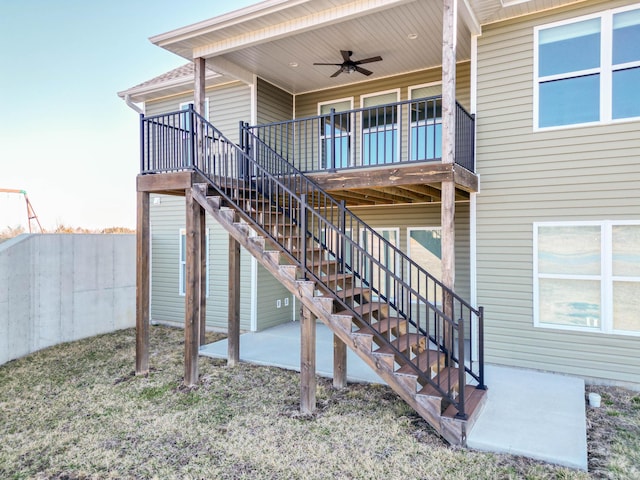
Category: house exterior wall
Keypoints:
(306, 105)
(269, 293)
(273, 103)
(582, 173)
(167, 304)
(228, 105)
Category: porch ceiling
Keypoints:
(309, 32)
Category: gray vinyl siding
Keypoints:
(228, 105)
(269, 291)
(273, 103)
(571, 174)
(424, 215)
(307, 104)
(167, 305)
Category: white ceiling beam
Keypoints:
(468, 16)
(309, 22)
(226, 67)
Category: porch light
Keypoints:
(412, 36)
(293, 64)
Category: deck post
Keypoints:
(198, 89)
(199, 106)
(204, 265)
(448, 199)
(142, 284)
(233, 328)
(339, 363)
(192, 290)
(307, 361)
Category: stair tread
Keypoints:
(364, 309)
(336, 276)
(384, 325)
(472, 398)
(402, 343)
(446, 379)
(424, 360)
(352, 292)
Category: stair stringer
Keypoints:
(428, 407)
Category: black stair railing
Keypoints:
(430, 328)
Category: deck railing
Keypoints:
(400, 132)
(259, 183)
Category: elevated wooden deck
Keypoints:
(381, 185)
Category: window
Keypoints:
(383, 257)
(182, 286)
(587, 276)
(587, 70)
(426, 122)
(424, 246)
(380, 128)
(338, 127)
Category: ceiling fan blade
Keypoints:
(368, 60)
(335, 64)
(364, 71)
(346, 55)
(337, 73)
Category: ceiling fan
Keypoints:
(349, 66)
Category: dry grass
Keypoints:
(77, 411)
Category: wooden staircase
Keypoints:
(381, 338)
(414, 331)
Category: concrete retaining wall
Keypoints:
(58, 288)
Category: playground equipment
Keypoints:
(31, 214)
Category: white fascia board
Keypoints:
(220, 22)
(296, 25)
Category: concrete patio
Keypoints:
(530, 413)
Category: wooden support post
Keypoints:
(448, 199)
(199, 65)
(307, 361)
(339, 363)
(204, 264)
(233, 338)
(142, 284)
(192, 291)
(199, 106)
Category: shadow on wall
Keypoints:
(57, 288)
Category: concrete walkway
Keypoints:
(529, 413)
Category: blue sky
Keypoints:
(65, 136)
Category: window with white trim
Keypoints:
(587, 276)
(336, 127)
(426, 122)
(382, 256)
(587, 70)
(424, 246)
(380, 124)
(182, 286)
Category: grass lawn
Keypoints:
(77, 411)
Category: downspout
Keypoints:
(130, 104)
